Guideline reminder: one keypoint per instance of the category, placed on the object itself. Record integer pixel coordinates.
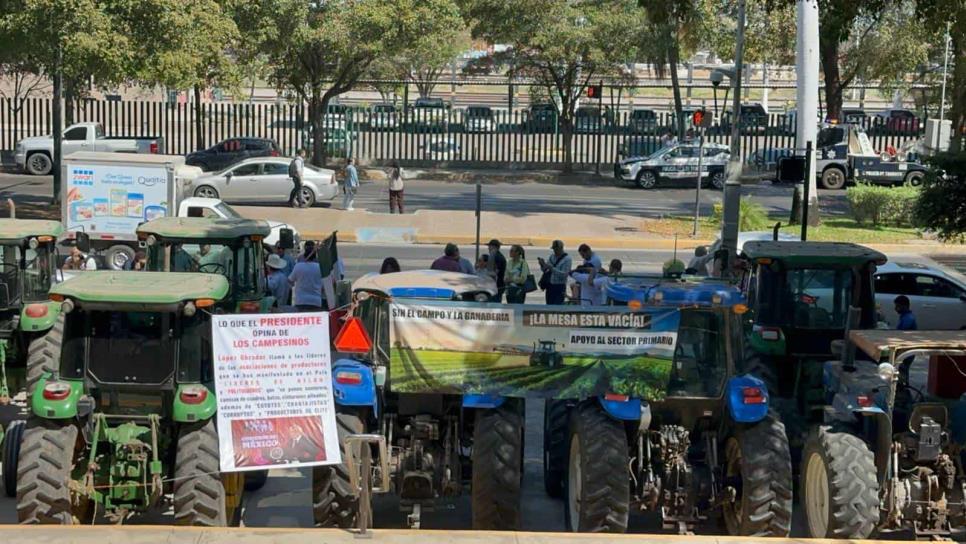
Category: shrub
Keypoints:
(941, 206)
(752, 215)
(882, 206)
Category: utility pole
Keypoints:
(57, 130)
(806, 64)
(942, 102)
(732, 190)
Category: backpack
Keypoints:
(293, 169)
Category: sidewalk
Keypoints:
(533, 230)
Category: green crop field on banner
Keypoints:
(535, 351)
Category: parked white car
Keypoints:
(210, 207)
(265, 179)
(937, 294)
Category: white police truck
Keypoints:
(676, 163)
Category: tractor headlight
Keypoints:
(34, 243)
(886, 372)
(67, 306)
(152, 239)
(189, 309)
(482, 297)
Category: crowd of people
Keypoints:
(586, 283)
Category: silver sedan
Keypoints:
(265, 179)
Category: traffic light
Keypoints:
(701, 118)
(595, 91)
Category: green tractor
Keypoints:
(802, 297)
(232, 248)
(127, 415)
(28, 267)
(546, 355)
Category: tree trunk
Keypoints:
(316, 107)
(199, 120)
(70, 93)
(672, 57)
(829, 52)
(567, 130)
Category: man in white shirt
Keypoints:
(296, 171)
(593, 284)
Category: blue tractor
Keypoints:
(710, 450)
(888, 454)
(424, 448)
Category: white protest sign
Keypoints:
(273, 381)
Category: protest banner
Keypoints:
(535, 351)
(273, 382)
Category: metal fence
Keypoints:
(469, 136)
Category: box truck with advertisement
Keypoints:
(107, 195)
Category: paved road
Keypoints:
(597, 197)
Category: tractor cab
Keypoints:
(800, 293)
(232, 248)
(28, 265)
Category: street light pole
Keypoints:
(732, 190)
(807, 61)
(942, 102)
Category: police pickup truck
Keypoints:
(677, 162)
(844, 154)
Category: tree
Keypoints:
(941, 206)
(938, 13)
(560, 44)
(441, 38)
(769, 30)
(320, 50)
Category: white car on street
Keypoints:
(677, 162)
(937, 294)
(265, 179)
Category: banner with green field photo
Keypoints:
(531, 351)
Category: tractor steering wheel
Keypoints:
(212, 268)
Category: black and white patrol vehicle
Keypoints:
(676, 163)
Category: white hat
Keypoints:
(276, 262)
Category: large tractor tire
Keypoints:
(43, 354)
(839, 489)
(200, 497)
(758, 456)
(598, 483)
(556, 431)
(497, 468)
(44, 474)
(335, 503)
(11, 455)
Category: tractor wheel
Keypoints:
(255, 480)
(200, 497)
(556, 426)
(839, 489)
(335, 503)
(598, 482)
(44, 474)
(758, 456)
(11, 453)
(43, 355)
(497, 468)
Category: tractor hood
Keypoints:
(145, 288)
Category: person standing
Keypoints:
(449, 261)
(558, 267)
(278, 285)
(907, 319)
(138, 264)
(395, 188)
(515, 279)
(284, 255)
(78, 261)
(351, 185)
(296, 171)
(306, 279)
(390, 266)
(668, 139)
(497, 264)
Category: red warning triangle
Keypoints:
(353, 337)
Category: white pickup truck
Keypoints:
(34, 155)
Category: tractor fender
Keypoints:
(65, 408)
(628, 409)
(476, 400)
(193, 413)
(39, 316)
(353, 384)
(747, 408)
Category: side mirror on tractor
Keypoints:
(83, 242)
(286, 238)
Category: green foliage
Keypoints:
(769, 35)
(878, 205)
(941, 206)
(752, 215)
